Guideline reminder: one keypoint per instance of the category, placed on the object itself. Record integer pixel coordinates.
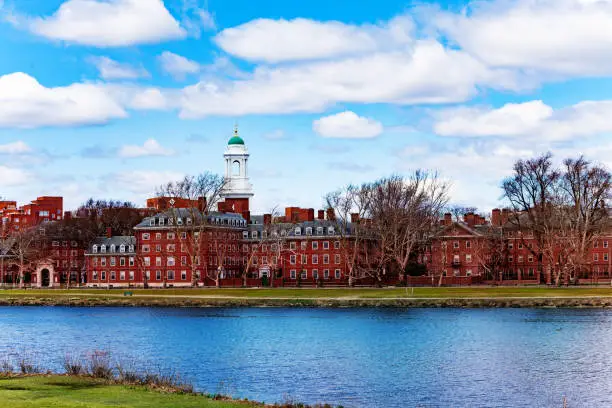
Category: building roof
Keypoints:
(189, 216)
(236, 140)
(117, 241)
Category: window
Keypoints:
(131, 273)
(157, 236)
(325, 273)
(170, 235)
(292, 245)
(315, 274)
(183, 275)
(170, 261)
(605, 257)
(103, 249)
(122, 248)
(253, 234)
(336, 244)
(304, 259)
(113, 275)
(468, 258)
(520, 258)
(146, 236)
(170, 275)
(152, 221)
(131, 261)
(170, 247)
(183, 260)
(530, 272)
(292, 260)
(530, 258)
(325, 244)
(468, 244)
(158, 261)
(298, 231)
(596, 244)
(148, 275)
(183, 235)
(179, 221)
(147, 261)
(95, 249)
(103, 275)
(520, 245)
(303, 245)
(245, 234)
(304, 274)
(468, 272)
(337, 259)
(158, 248)
(330, 230)
(131, 248)
(291, 273)
(145, 248)
(122, 275)
(596, 257)
(158, 275)
(309, 231)
(337, 273)
(315, 245)
(315, 259)
(103, 261)
(510, 245)
(121, 261)
(455, 244)
(55, 243)
(326, 259)
(510, 258)
(94, 275)
(605, 244)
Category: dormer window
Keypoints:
(245, 234)
(95, 249)
(330, 230)
(152, 222)
(298, 231)
(309, 231)
(112, 248)
(122, 248)
(103, 249)
(319, 230)
(189, 221)
(179, 221)
(131, 248)
(254, 234)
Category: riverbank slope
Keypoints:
(317, 297)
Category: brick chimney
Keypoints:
(505, 216)
(470, 219)
(448, 219)
(267, 219)
(496, 217)
(202, 203)
(109, 232)
(354, 218)
(331, 214)
(310, 214)
(321, 214)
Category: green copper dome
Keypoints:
(236, 140)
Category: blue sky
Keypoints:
(111, 98)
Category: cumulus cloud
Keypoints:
(10, 176)
(566, 37)
(347, 124)
(110, 23)
(18, 147)
(177, 65)
(419, 75)
(25, 103)
(110, 69)
(150, 147)
(302, 39)
(533, 120)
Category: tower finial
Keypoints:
(236, 128)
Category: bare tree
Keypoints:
(458, 211)
(585, 191)
(405, 212)
(345, 208)
(190, 224)
(530, 192)
(25, 252)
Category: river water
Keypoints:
(354, 357)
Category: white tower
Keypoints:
(236, 169)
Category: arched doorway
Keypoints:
(45, 278)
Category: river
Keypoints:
(354, 357)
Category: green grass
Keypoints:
(69, 392)
(316, 293)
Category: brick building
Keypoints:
(42, 209)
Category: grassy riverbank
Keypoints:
(319, 297)
(72, 391)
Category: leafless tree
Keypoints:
(191, 224)
(346, 207)
(458, 211)
(405, 212)
(25, 252)
(585, 190)
(530, 192)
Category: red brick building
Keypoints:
(40, 210)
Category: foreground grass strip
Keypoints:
(69, 392)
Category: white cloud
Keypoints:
(18, 147)
(110, 69)
(207, 20)
(150, 147)
(277, 134)
(177, 65)
(13, 176)
(531, 120)
(302, 39)
(564, 37)
(24, 103)
(418, 75)
(110, 23)
(347, 124)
